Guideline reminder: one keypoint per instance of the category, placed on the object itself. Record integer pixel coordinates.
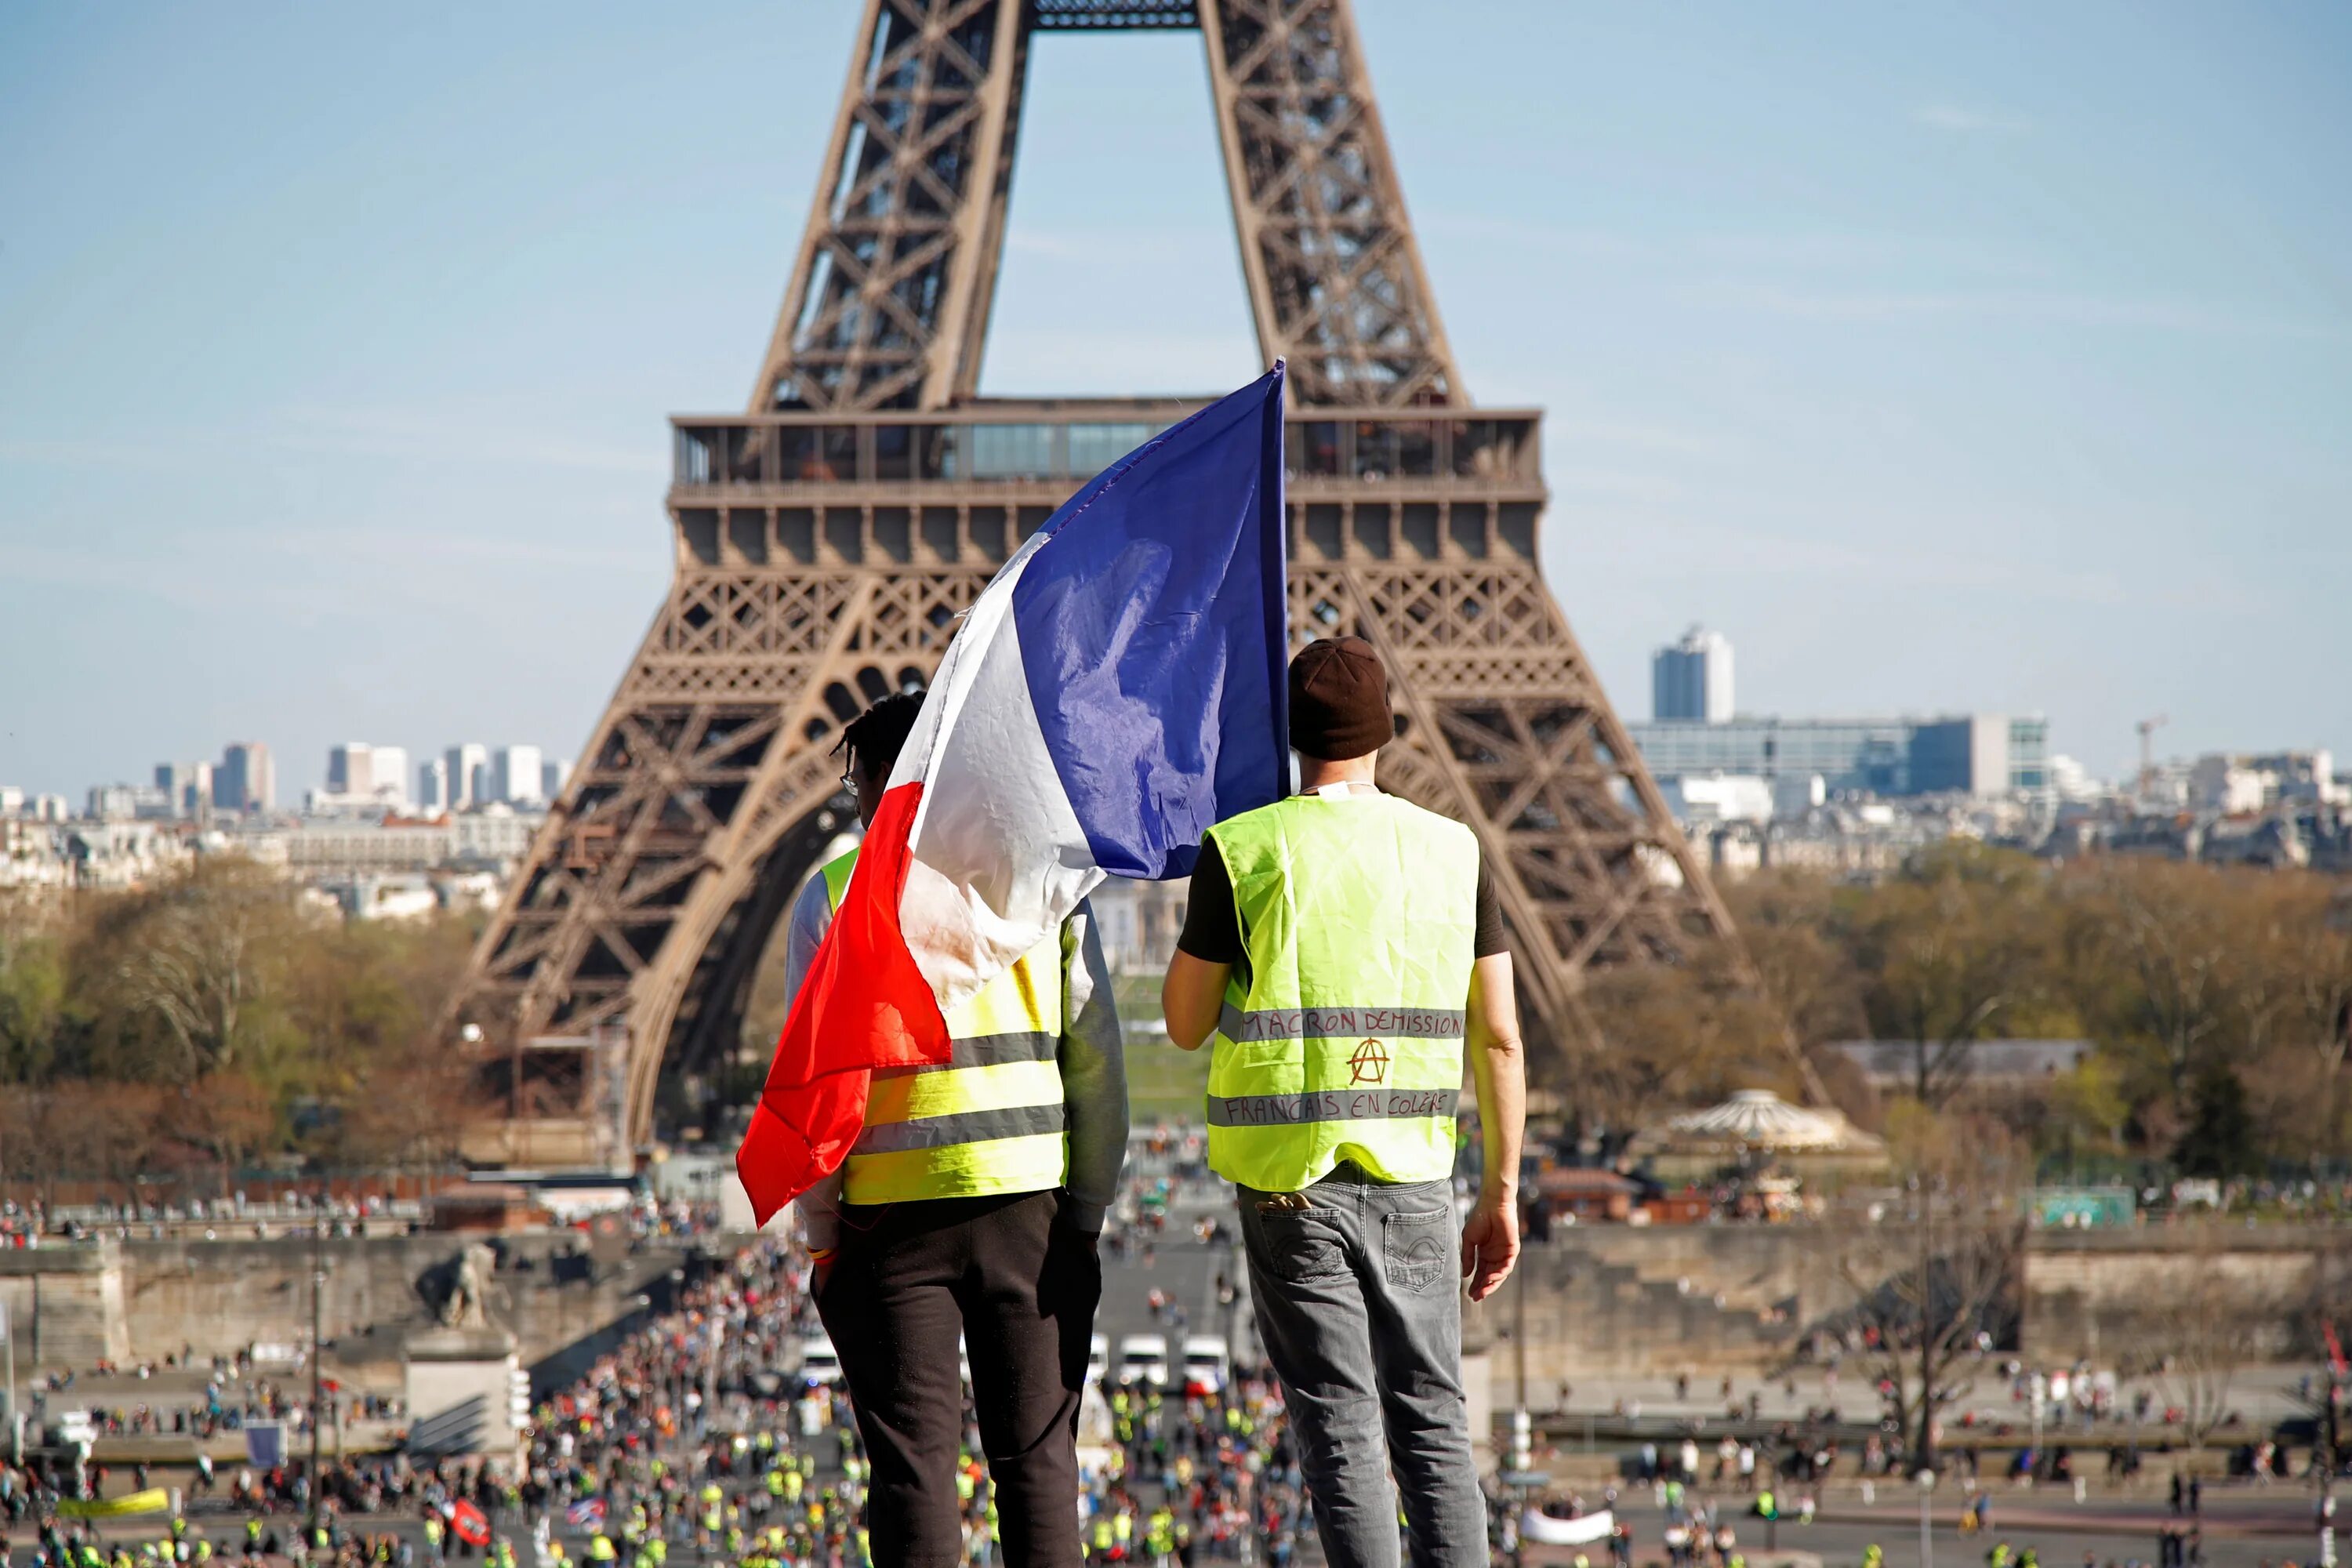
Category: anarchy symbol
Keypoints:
(1370, 1062)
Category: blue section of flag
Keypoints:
(1152, 627)
(588, 1511)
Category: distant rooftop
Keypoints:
(1896, 1061)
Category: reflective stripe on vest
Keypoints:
(991, 1118)
(1341, 1038)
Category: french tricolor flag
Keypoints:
(1117, 690)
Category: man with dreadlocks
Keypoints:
(970, 1202)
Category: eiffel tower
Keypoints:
(827, 538)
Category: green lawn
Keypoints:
(1162, 1082)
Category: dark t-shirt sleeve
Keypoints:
(1491, 938)
(1213, 931)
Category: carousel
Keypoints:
(1756, 1128)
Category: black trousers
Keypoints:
(1021, 1288)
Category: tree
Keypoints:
(2202, 1331)
(32, 996)
(2081, 1110)
(22, 1155)
(1786, 920)
(364, 996)
(101, 1132)
(1939, 1268)
(410, 1115)
(1951, 952)
(1671, 1035)
(229, 1117)
(2319, 976)
(191, 964)
(2219, 1139)
(2157, 952)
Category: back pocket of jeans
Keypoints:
(1413, 1249)
(1299, 1246)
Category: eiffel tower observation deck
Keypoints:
(827, 538)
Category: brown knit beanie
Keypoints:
(1338, 701)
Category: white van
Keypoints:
(1207, 1364)
(1143, 1358)
(820, 1363)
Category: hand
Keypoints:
(1490, 1245)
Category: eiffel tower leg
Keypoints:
(705, 793)
(890, 298)
(1335, 281)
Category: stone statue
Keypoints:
(466, 1306)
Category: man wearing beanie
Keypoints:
(1342, 952)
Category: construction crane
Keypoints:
(2148, 728)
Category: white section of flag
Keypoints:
(999, 857)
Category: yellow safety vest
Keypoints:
(992, 1119)
(1341, 1038)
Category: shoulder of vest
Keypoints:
(1437, 821)
(833, 877)
(1241, 822)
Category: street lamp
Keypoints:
(317, 1371)
(16, 1420)
(2327, 1455)
(1927, 1480)
(1519, 1476)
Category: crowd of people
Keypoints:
(691, 1437)
(688, 1438)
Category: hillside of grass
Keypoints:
(1162, 1082)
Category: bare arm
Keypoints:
(1490, 1237)
(1192, 997)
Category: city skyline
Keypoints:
(358, 775)
(1944, 364)
(1700, 662)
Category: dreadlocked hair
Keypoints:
(874, 737)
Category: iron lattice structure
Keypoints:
(827, 539)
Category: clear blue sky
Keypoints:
(1995, 357)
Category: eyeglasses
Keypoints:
(848, 784)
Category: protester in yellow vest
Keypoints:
(1343, 949)
(972, 1200)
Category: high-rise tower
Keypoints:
(1692, 680)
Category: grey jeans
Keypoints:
(1359, 1297)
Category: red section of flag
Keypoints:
(863, 1005)
(469, 1524)
(2335, 1363)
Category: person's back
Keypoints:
(1357, 914)
(1341, 949)
(970, 1204)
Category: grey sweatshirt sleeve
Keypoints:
(1093, 1072)
(812, 912)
